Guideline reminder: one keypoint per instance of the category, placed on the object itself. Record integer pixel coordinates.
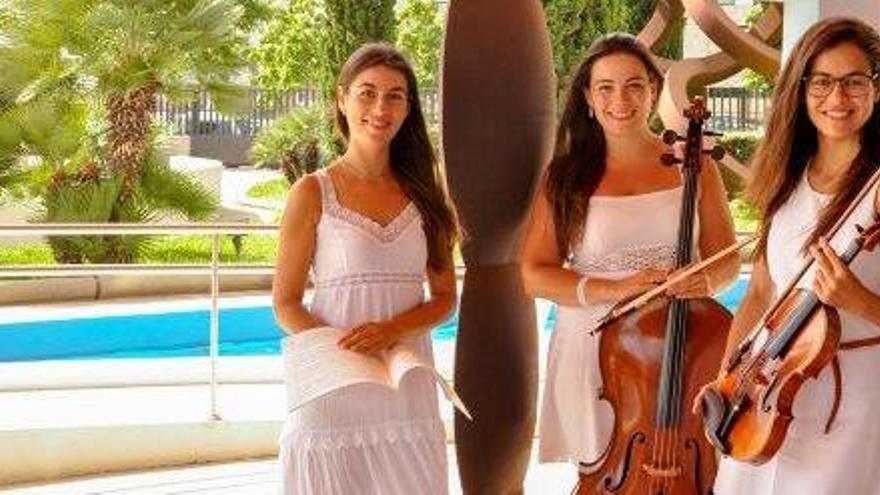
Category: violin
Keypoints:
(749, 408)
(653, 361)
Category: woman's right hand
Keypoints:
(639, 282)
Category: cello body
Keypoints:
(645, 458)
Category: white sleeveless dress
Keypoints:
(367, 439)
(847, 459)
(622, 235)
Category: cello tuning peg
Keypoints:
(669, 159)
(670, 137)
(717, 153)
(713, 133)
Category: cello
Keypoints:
(653, 362)
(748, 409)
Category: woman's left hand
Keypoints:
(371, 338)
(835, 284)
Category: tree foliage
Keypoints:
(307, 44)
(420, 36)
(290, 54)
(753, 79)
(575, 24)
(78, 82)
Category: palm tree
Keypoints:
(79, 81)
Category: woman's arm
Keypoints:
(544, 276)
(376, 336)
(757, 300)
(296, 245)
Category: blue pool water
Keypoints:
(243, 331)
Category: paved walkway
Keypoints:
(258, 477)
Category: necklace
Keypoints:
(360, 173)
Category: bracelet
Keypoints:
(579, 291)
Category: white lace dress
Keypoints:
(623, 234)
(367, 439)
(846, 460)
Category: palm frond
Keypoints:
(230, 99)
(170, 191)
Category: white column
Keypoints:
(801, 14)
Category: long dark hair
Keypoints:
(579, 156)
(778, 164)
(413, 162)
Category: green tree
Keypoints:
(81, 80)
(575, 24)
(290, 54)
(307, 44)
(753, 79)
(351, 24)
(420, 36)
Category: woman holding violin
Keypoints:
(604, 227)
(821, 149)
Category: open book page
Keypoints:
(316, 365)
(403, 358)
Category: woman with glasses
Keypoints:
(822, 146)
(604, 227)
(371, 228)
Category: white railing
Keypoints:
(214, 268)
(215, 230)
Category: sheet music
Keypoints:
(317, 366)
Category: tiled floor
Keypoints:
(259, 477)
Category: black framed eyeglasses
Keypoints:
(854, 85)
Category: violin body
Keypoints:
(748, 412)
(645, 458)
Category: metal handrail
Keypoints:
(16, 271)
(213, 268)
(10, 230)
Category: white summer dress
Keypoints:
(622, 235)
(847, 459)
(367, 439)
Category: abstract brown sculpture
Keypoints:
(741, 49)
(498, 117)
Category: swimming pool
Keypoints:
(244, 331)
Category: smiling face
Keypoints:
(621, 94)
(843, 72)
(375, 105)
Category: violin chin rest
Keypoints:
(714, 409)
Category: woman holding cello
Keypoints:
(821, 149)
(604, 227)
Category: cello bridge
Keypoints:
(656, 471)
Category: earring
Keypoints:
(590, 112)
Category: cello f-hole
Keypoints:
(623, 471)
